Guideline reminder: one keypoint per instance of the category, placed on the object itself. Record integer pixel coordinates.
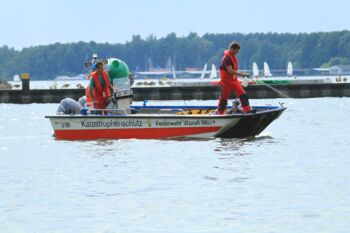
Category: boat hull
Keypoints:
(92, 127)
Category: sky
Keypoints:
(26, 23)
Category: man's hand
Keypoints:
(245, 75)
(111, 87)
(233, 72)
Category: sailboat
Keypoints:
(204, 70)
(255, 70)
(267, 72)
(290, 78)
(268, 79)
(213, 73)
(290, 69)
(273, 80)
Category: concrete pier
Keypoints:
(184, 93)
(39, 96)
(254, 92)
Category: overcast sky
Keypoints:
(26, 23)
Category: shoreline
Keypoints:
(184, 93)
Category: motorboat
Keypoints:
(154, 122)
(123, 120)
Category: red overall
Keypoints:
(101, 93)
(89, 100)
(231, 83)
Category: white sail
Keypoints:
(255, 70)
(290, 69)
(267, 72)
(213, 73)
(174, 73)
(204, 70)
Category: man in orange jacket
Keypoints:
(100, 87)
(229, 80)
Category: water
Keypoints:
(293, 178)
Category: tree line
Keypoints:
(304, 50)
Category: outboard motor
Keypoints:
(69, 106)
(82, 101)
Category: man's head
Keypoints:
(234, 48)
(99, 66)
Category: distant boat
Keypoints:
(213, 73)
(204, 70)
(267, 72)
(292, 79)
(255, 70)
(290, 69)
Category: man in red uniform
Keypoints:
(229, 80)
(100, 87)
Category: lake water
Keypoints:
(295, 177)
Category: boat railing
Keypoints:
(108, 111)
(129, 111)
(159, 111)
